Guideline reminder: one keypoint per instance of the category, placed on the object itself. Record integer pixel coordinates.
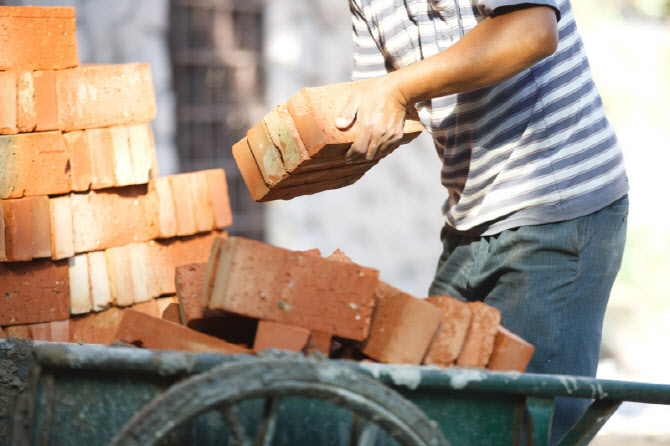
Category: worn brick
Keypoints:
(280, 336)
(124, 172)
(101, 146)
(33, 292)
(143, 152)
(403, 327)
(3, 249)
(266, 155)
(81, 167)
(18, 229)
(120, 278)
(478, 344)
(510, 352)
(38, 38)
(98, 277)
(152, 332)
(26, 108)
(138, 259)
(270, 283)
(449, 341)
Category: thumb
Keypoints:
(347, 115)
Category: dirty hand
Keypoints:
(379, 108)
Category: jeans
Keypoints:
(551, 283)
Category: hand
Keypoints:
(379, 108)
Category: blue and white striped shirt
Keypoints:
(534, 149)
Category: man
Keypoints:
(537, 192)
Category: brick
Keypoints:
(340, 256)
(18, 331)
(171, 313)
(270, 283)
(8, 102)
(105, 95)
(149, 307)
(250, 172)
(318, 342)
(234, 328)
(3, 249)
(62, 242)
(18, 229)
(124, 173)
(314, 111)
(449, 340)
(510, 352)
(218, 195)
(151, 332)
(266, 155)
(138, 258)
(96, 328)
(101, 146)
(478, 344)
(3, 335)
(164, 302)
(34, 164)
(167, 217)
(114, 217)
(98, 278)
(280, 336)
(210, 271)
(335, 173)
(403, 327)
(56, 331)
(142, 152)
(33, 292)
(37, 38)
(286, 139)
(81, 167)
(46, 101)
(80, 290)
(41, 226)
(120, 278)
(26, 108)
(202, 206)
(183, 204)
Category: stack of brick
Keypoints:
(86, 226)
(258, 296)
(297, 149)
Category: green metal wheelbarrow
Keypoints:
(94, 395)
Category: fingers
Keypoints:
(360, 146)
(348, 113)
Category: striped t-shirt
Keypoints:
(534, 149)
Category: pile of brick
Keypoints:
(297, 149)
(86, 226)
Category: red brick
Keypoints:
(314, 111)
(151, 332)
(34, 164)
(62, 244)
(234, 328)
(510, 352)
(26, 108)
(403, 327)
(250, 172)
(280, 336)
(38, 38)
(124, 172)
(286, 139)
(18, 331)
(96, 328)
(449, 340)
(270, 283)
(266, 155)
(340, 256)
(18, 229)
(164, 302)
(218, 195)
(120, 280)
(171, 313)
(46, 101)
(98, 278)
(101, 146)
(167, 217)
(149, 307)
(113, 217)
(41, 226)
(105, 95)
(210, 271)
(183, 204)
(57, 331)
(478, 344)
(318, 342)
(33, 292)
(143, 152)
(138, 259)
(81, 166)
(3, 249)
(200, 198)
(8, 102)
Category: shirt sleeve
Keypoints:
(489, 7)
(369, 60)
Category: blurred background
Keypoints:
(219, 65)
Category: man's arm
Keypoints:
(495, 50)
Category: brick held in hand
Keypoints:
(478, 344)
(38, 38)
(403, 327)
(266, 282)
(510, 352)
(448, 342)
(155, 333)
(315, 110)
(267, 156)
(275, 335)
(33, 292)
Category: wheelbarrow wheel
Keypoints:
(225, 387)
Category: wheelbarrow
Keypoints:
(95, 395)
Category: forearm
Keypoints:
(495, 50)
